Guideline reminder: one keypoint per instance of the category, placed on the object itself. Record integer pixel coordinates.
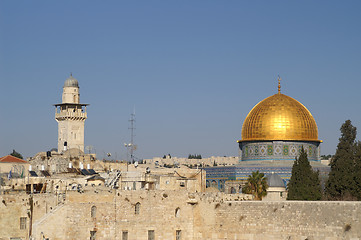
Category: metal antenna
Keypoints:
(132, 135)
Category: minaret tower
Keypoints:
(70, 115)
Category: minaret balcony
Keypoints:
(74, 115)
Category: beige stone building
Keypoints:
(204, 162)
(11, 166)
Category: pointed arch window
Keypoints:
(137, 208)
(93, 211)
(177, 212)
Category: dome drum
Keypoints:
(278, 150)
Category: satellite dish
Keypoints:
(136, 164)
(147, 170)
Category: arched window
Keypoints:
(233, 190)
(177, 212)
(207, 184)
(93, 211)
(137, 208)
(221, 185)
(214, 184)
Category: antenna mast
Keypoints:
(132, 135)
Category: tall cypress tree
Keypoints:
(357, 172)
(341, 184)
(304, 183)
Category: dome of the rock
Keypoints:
(279, 117)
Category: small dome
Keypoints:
(279, 117)
(71, 82)
(273, 180)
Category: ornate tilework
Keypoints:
(263, 150)
(270, 150)
(278, 150)
(285, 150)
(293, 151)
(310, 151)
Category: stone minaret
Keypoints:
(70, 115)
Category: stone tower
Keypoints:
(70, 115)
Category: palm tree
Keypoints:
(256, 185)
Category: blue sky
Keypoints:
(192, 70)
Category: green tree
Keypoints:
(357, 171)
(304, 183)
(256, 185)
(16, 154)
(341, 184)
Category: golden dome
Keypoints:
(279, 117)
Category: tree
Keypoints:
(357, 171)
(16, 154)
(341, 184)
(256, 185)
(304, 183)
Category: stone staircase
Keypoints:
(43, 218)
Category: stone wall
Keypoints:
(199, 216)
(220, 161)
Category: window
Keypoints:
(178, 235)
(134, 185)
(177, 212)
(214, 184)
(93, 211)
(137, 208)
(92, 235)
(125, 235)
(150, 234)
(23, 223)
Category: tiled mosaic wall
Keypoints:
(278, 150)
